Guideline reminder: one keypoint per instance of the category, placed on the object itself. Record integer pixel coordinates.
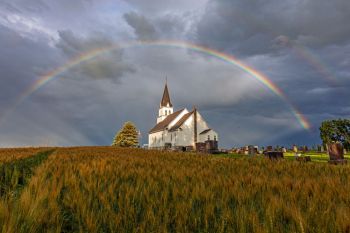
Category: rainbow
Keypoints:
(301, 51)
(43, 80)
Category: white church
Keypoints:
(182, 130)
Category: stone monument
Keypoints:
(336, 153)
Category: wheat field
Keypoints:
(11, 154)
(105, 189)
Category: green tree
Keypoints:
(127, 136)
(336, 131)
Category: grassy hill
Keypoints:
(105, 189)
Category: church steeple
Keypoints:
(166, 107)
(165, 102)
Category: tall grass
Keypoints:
(130, 190)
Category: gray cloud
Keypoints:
(143, 29)
(109, 65)
(155, 7)
(251, 27)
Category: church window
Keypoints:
(166, 112)
(171, 137)
(208, 137)
(215, 138)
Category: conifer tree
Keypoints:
(127, 136)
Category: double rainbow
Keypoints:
(166, 43)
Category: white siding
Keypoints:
(212, 135)
(184, 136)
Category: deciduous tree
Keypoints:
(336, 131)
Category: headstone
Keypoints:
(345, 151)
(274, 154)
(256, 149)
(284, 150)
(336, 153)
(319, 148)
(277, 148)
(251, 150)
(269, 148)
(295, 149)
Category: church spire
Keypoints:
(166, 97)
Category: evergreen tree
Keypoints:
(127, 136)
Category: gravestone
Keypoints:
(336, 153)
(269, 148)
(274, 154)
(252, 150)
(295, 149)
(284, 150)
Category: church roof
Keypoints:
(181, 121)
(166, 98)
(163, 124)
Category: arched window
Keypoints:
(208, 137)
(166, 112)
(214, 137)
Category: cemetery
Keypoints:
(334, 153)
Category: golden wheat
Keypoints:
(11, 154)
(106, 189)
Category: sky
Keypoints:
(302, 46)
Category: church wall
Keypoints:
(155, 140)
(212, 135)
(185, 134)
(201, 126)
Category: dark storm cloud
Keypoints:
(20, 63)
(251, 27)
(154, 7)
(89, 102)
(109, 65)
(143, 29)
